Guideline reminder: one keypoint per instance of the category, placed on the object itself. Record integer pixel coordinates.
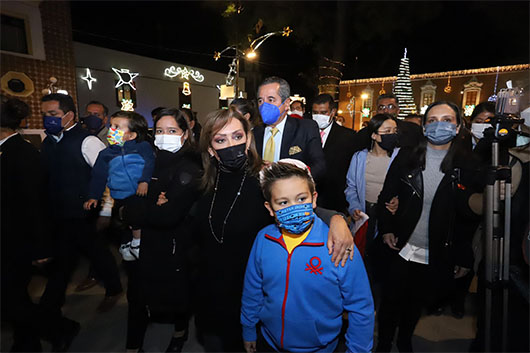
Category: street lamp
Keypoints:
(250, 54)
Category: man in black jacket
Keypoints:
(68, 154)
(283, 136)
(338, 144)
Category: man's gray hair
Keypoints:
(285, 90)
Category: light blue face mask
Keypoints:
(522, 140)
(440, 132)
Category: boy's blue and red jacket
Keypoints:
(121, 168)
(300, 297)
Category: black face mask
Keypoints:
(388, 142)
(232, 158)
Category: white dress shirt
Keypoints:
(415, 254)
(277, 139)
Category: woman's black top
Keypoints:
(221, 267)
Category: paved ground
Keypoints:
(105, 332)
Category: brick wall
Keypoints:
(57, 34)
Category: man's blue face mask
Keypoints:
(270, 113)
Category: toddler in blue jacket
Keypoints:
(126, 167)
(293, 294)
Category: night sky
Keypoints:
(368, 37)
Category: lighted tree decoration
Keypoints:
(403, 89)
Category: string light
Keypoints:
(89, 79)
(127, 105)
(457, 73)
(126, 77)
(184, 73)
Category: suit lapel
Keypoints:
(331, 137)
(258, 133)
(288, 136)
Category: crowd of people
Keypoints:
(248, 223)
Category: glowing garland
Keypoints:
(184, 73)
(89, 79)
(122, 74)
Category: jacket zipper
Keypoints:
(285, 296)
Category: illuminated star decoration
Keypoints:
(216, 55)
(127, 105)
(126, 77)
(89, 79)
(286, 31)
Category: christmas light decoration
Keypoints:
(127, 105)
(184, 73)
(448, 88)
(457, 73)
(403, 89)
(186, 106)
(126, 77)
(493, 97)
(251, 53)
(468, 109)
(382, 90)
(423, 109)
(186, 89)
(365, 112)
(89, 79)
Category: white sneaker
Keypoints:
(125, 251)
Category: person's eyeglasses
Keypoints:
(383, 107)
(387, 131)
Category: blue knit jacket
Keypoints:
(299, 298)
(121, 168)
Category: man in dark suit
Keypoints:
(282, 136)
(338, 144)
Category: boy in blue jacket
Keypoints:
(291, 286)
(126, 167)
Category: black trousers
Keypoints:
(72, 237)
(18, 308)
(138, 316)
(406, 290)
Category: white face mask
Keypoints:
(477, 130)
(322, 120)
(297, 112)
(170, 143)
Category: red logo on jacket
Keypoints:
(314, 267)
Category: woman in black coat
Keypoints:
(426, 243)
(158, 281)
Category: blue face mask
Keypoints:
(93, 123)
(52, 124)
(440, 132)
(269, 113)
(296, 218)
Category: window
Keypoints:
(22, 29)
(14, 35)
(472, 91)
(428, 93)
